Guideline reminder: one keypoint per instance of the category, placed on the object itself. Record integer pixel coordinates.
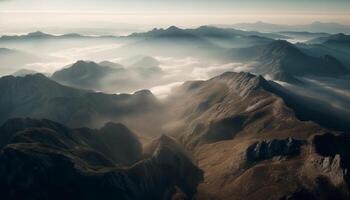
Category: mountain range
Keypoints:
(315, 27)
(246, 139)
(271, 122)
(89, 164)
(37, 96)
(240, 129)
(109, 76)
(38, 35)
(282, 60)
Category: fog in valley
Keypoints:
(174, 100)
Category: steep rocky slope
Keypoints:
(250, 144)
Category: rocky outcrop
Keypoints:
(268, 149)
(336, 149)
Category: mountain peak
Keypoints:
(281, 43)
(281, 47)
(24, 72)
(27, 78)
(339, 37)
(83, 62)
(37, 76)
(243, 81)
(38, 34)
(173, 28)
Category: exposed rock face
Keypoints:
(264, 150)
(60, 163)
(336, 149)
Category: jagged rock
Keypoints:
(264, 150)
(336, 149)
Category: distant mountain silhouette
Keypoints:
(204, 34)
(337, 42)
(212, 31)
(111, 64)
(332, 38)
(24, 72)
(204, 31)
(303, 35)
(109, 76)
(315, 27)
(11, 59)
(38, 35)
(147, 66)
(84, 74)
(171, 32)
(282, 60)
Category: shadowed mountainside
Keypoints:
(82, 164)
(37, 96)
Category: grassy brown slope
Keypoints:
(221, 118)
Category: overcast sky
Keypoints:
(15, 14)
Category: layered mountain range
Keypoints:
(238, 127)
(37, 96)
(282, 61)
(275, 128)
(317, 27)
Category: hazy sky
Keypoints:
(18, 15)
